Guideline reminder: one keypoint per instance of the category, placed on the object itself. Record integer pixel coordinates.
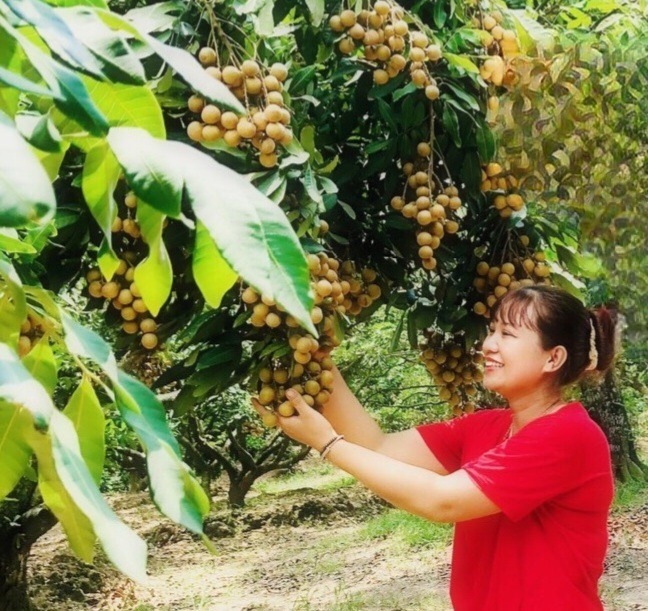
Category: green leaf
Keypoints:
(462, 62)
(19, 388)
(10, 242)
(85, 413)
(122, 546)
(13, 305)
(154, 275)
(439, 13)
(153, 174)
(15, 453)
(211, 272)
(71, 95)
(302, 77)
(115, 57)
(25, 190)
(155, 17)
(255, 238)
(41, 365)
(316, 7)
(451, 123)
(39, 131)
(98, 182)
(173, 488)
(56, 34)
(21, 83)
(485, 142)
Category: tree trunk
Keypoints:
(605, 405)
(16, 542)
(238, 489)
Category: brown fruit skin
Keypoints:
(148, 325)
(194, 131)
(210, 114)
(207, 56)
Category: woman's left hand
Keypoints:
(306, 426)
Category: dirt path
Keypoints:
(298, 550)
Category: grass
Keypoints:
(630, 494)
(409, 530)
(320, 476)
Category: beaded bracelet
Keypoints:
(327, 447)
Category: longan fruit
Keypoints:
(130, 327)
(302, 357)
(346, 46)
(194, 131)
(211, 133)
(246, 129)
(286, 409)
(432, 92)
(348, 18)
(207, 56)
(380, 77)
(116, 225)
(335, 23)
(195, 103)
(273, 320)
(232, 138)
(279, 71)
(110, 290)
(139, 306)
(232, 76)
(94, 288)
(268, 160)
(125, 297)
(24, 345)
(266, 395)
(423, 149)
(276, 131)
(148, 325)
(128, 313)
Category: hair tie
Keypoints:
(593, 352)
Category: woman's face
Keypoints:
(514, 359)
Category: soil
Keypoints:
(296, 550)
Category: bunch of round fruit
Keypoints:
(501, 45)
(30, 332)
(494, 281)
(363, 290)
(454, 369)
(307, 371)
(434, 209)
(121, 291)
(389, 41)
(492, 180)
(265, 125)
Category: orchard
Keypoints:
(201, 202)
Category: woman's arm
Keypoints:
(348, 417)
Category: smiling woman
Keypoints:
(529, 486)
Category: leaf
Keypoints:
(15, 452)
(154, 275)
(19, 388)
(65, 464)
(25, 190)
(155, 17)
(451, 123)
(462, 62)
(71, 95)
(211, 272)
(98, 182)
(85, 413)
(256, 225)
(56, 34)
(173, 488)
(41, 365)
(13, 305)
(21, 83)
(39, 131)
(302, 77)
(152, 173)
(116, 59)
(316, 7)
(485, 142)
(11, 242)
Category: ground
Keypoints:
(311, 540)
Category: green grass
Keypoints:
(630, 494)
(321, 476)
(409, 530)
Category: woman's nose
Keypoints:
(489, 345)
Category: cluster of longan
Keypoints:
(30, 332)
(434, 213)
(339, 289)
(307, 372)
(122, 291)
(264, 127)
(493, 180)
(454, 369)
(501, 45)
(494, 281)
(391, 42)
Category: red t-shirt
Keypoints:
(553, 482)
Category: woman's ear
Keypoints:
(556, 359)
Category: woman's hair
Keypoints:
(562, 320)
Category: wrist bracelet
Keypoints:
(327, 448)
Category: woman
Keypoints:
(529, 486)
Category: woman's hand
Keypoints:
(306, 426)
